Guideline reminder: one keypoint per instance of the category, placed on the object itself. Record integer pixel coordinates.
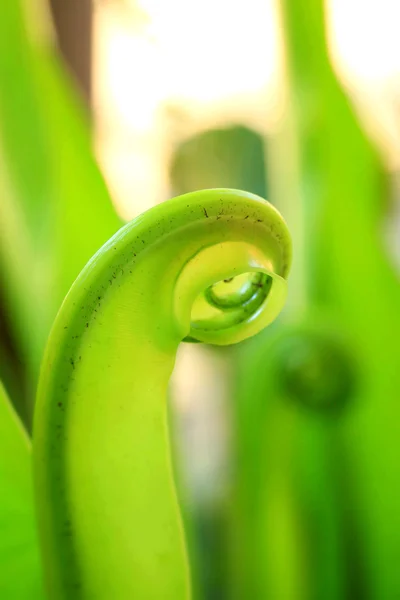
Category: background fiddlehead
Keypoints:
(209, 266)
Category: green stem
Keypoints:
(108, 513)
(305, 144)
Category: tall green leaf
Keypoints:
(55, 211)
(20, 573)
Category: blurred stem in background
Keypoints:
(74, 27)
(233, 155)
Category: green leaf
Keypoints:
(20, 572)
(55, 211)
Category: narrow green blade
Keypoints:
(55, 211)
(20, 573)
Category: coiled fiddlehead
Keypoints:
(209, 266)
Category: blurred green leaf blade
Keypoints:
(55, 210)
(20, 572)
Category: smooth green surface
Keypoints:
(20, 574)
(54, 211)
(109, 519)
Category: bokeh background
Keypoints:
(287, 447)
